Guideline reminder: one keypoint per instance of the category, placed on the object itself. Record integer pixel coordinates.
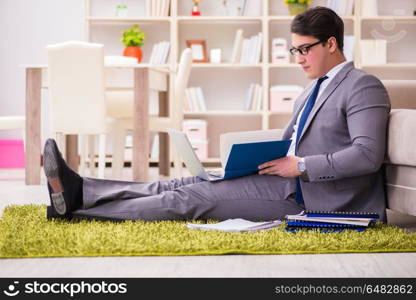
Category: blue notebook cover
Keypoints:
(244, 159)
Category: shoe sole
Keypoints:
(51, 214)
(51, 168)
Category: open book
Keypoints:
(235, 225)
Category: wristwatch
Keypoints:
(302, 166)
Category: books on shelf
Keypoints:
(157, 8)
(251, 8)
(330, 221)
(238, 43)
(235, 225)
(254, 97)
(194, 99)
(234, 7)
(160, 53)
(251, 50)
(374, 51)
(342, 8)
(246, 51)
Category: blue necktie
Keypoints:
(304, 117)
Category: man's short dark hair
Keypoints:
(320, 22)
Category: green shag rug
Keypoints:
(25, 232)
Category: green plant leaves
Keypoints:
(133, 36)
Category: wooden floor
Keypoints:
(14, 191)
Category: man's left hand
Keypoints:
(285, 167)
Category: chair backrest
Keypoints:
(76, 87)
(181, 82)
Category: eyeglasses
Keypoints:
(303, 50)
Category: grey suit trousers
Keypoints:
(256, 197)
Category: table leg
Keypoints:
(164, 153)
(140, 163)
(33, 139)
(72, 157)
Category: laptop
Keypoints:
(191, 160)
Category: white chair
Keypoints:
(119, 106)
(77, 95)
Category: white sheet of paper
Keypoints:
(235, 225)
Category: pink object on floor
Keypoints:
(12, 154)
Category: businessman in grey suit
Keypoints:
(338, 133)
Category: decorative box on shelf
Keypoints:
(282, 97)
(200, 147)
(280, 54)
(195, 129)
(280, 57)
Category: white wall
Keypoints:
(26, 27)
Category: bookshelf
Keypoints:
(225, 84)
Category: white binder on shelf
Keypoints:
(238, 43)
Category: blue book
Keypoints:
(245, 158)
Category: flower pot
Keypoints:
(297, 8)
(134, 51)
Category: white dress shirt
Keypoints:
(331, 74)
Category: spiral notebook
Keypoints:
(331, 221)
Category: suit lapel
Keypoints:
(325, 95)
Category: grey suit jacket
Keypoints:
(344, 143)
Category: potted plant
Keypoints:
(133, 39)
(297, 6)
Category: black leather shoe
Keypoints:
(64, 185)
(52, 214)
